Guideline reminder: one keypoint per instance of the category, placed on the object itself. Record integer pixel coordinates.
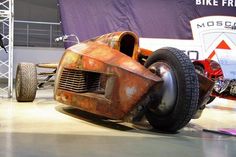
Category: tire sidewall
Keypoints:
(26, 82)
(179, 116)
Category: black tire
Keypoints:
(186, 100)
(26, 82)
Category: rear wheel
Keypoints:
(26, 82)
(177, 100)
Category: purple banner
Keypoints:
(147, 18)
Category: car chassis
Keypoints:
(112, 76)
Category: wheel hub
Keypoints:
(168, 92)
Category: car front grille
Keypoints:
(79, 81)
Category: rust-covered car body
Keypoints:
(96, 77)
(103, 75)
(112, 76)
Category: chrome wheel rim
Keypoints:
(167, 94)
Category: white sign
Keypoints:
(227, 61)
(209, 33)
(214, 32)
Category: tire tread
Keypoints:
(27, 82)
(189, 106)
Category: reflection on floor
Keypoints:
(46, 128)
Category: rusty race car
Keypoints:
(112, 76)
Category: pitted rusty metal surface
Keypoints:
(123, 81)
(126, 79)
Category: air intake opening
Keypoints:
(127, 45)
(79, 81)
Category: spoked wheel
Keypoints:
(26, 82)
(176, 102)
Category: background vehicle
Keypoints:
(113, 77)
(223, 88)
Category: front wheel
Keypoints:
(176, 102)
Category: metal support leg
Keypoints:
(6, 60)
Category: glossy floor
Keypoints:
(45, 128)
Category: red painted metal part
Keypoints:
(209, 71)
(213, 74)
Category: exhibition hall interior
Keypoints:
(112, 78)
